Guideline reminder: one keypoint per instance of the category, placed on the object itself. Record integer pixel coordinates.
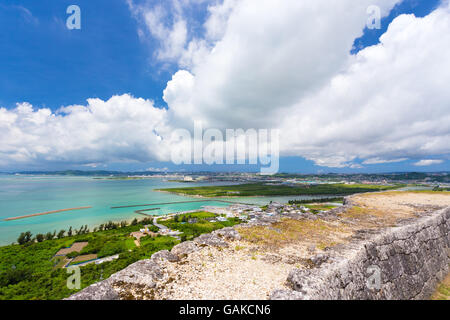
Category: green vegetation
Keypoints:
(31, 270)
(261, 189)
(438, 189)
(324, 200)
(199, 224)
(400, 176)
(316, 208)
(443, 290)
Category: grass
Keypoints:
(199, 215)
(130, 244)
(356, 212)
(443, 290)
(319, 207)
(289, 231)
(59, 262)
(261, 189)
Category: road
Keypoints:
(160, 226)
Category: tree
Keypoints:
(61, 234)
(175, 219)
(79, 231)
(134, 222)
(48, 236)
(69, 233)
(40, 237)
(24, 237)
(21, 238)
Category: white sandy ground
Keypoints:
(402, 202)
(224, 274)
(246, 270)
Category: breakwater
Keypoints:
(44, 213)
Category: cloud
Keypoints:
(264, 64)
(167, 22)
(122, 128)
(268, 56)
(296, 74)
(152, 169)
(26, 14)
(391, 102)
(424, 163)
(380, 161)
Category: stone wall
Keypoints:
(405, 262)
(409, 261)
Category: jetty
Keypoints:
(44, 213)
(144, 210)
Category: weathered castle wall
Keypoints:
(409, 261)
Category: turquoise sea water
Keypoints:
(23, 195)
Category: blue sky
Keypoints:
(47, 65)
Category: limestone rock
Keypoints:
(228, 233)
(164, 255)
(183, 249)
(97, 291)
(209, 239)
(144, 272)
(286, 295)
(318, 259)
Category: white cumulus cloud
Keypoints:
(121, 129)
(265, 64)
(424, 163)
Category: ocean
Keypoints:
(26, 194)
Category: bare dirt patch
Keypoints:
(76, 247)
(403, 204)
(85, 257)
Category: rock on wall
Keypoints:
(405, 262)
